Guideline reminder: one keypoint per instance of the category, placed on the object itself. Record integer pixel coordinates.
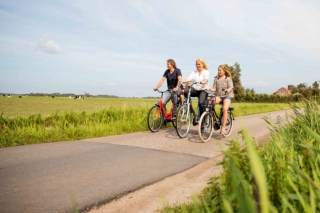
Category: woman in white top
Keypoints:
(223, 86)
(201, 76)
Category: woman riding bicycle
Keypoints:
(223, 85)
(173, 76)
(201, 76)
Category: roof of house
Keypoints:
(288, 91)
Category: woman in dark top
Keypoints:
(173, 76)
(223, 85)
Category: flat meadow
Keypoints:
(36, 119)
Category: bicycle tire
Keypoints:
(155, 118)
(229, 124)
(205, 128)
(183, 121)
(174, 123)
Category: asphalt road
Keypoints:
(61, 176)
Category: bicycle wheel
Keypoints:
(205, 128)
(183, 121)
(154, 119)
(229, 124)
(174, 123)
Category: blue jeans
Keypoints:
(171, 95)
(226, 97)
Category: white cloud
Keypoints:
(48, 46)
(256, 83)
(112, 84)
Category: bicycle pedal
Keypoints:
(195, 123)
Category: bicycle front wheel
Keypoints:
(183, 121)
(205, 128)
(229, 124)
(155, 119)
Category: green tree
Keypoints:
(301, 87)
(235, 71)
(293, 89)
(315, 85)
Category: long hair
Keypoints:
(172, 62)
(225, 69)
(203, 63)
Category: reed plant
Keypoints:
(281, 176)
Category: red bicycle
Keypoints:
(158, 115)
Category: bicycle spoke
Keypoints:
(154, 119)
(205, 129)
(183, 121)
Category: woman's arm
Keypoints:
(229, 85)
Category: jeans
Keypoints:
(171, 95)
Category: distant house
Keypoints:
(282, 91)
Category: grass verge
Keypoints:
(281, 176)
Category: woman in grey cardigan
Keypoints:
(223, 86)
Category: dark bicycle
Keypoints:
(210, 120)
(185, 113)
(158, 115)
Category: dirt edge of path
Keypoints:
(175, 189)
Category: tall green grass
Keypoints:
(281, 176)
(70, 126)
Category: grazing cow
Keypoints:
(52, 96)
(70, 97)
(20, 96)
(9, 96)
(3, 95)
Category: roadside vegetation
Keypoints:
(33, 120)
(281, 176)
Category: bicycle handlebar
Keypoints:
(209, 92)
(189, 83)
(162, 91)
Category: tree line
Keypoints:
(298, 92)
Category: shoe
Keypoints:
(222, 133)
(194, 122)
(174, 111)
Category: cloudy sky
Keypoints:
(121, 47)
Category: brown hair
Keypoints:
(203, 63)
(225, 69)
(172, 62)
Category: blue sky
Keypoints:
(121, 47)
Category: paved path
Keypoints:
(55, 177)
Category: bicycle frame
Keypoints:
(167, 115)
(189, 102)
(218, 118)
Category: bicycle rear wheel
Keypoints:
(155, 119)
(205, 128)
(229, 124)
(183, 121)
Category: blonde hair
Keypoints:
(203, 63)
(225, 69)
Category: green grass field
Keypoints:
(46, 106)
(31, 105)
(31, 120)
